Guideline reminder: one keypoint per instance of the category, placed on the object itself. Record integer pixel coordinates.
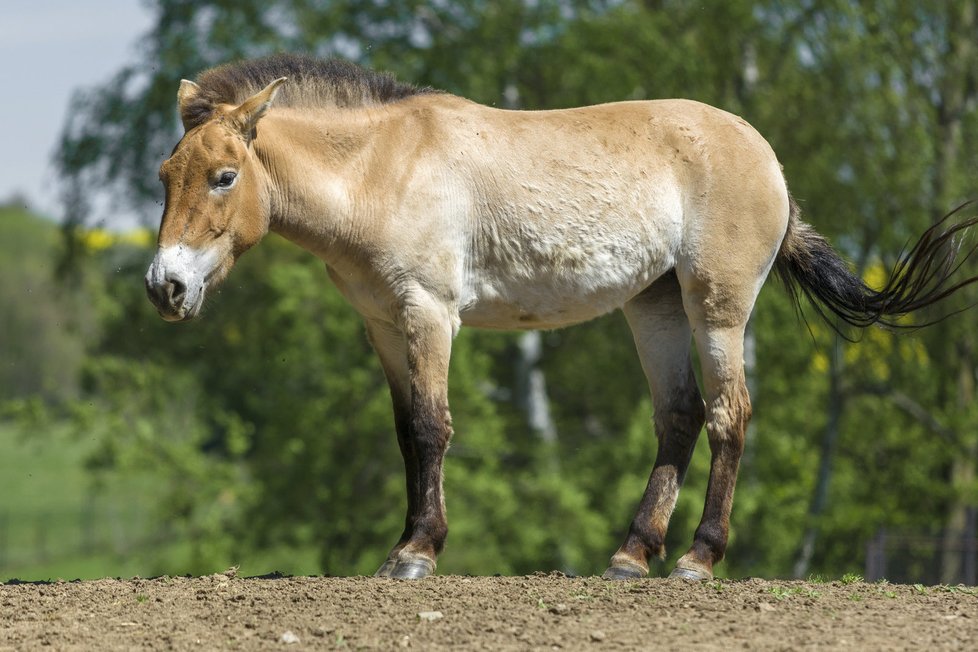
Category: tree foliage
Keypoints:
(268, 422)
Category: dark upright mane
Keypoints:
(312, 82)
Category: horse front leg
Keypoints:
(390, 345)
(415, 358)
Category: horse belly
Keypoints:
(541, 306)
(567, 234)
(549, 284)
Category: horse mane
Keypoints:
(311, 82)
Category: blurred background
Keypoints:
(261, 436)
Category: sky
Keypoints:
(49, 49)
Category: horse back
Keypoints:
(563, 215)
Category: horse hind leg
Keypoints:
(728, 412)
(718, 309)
(662, 336)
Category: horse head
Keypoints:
(217, 201)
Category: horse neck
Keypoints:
(317, 163)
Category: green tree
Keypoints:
(871, 107)
(43, 332)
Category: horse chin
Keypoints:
(188, 310)
(176, 319)
(185, 313)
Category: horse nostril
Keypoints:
(177, 290)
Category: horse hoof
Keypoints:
(414, 569)
(385, 568)
(692, 574)
(623, 573)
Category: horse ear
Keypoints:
(247, 114)
(187, 93)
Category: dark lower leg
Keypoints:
(678, 430)
(428, 332)
(402, 421)
(411, 480)
(427, 527)
(726, 426)
(390, 346)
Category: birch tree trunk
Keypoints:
(532, 391)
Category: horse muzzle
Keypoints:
(170, 298)
(177, 280)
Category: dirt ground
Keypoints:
(540, 612)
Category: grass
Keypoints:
(851, 578)
(780, 593)
(783, 593)
(958, 588)
(54, 523)
(45, 494)
(583, 594)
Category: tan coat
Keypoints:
(432, 212)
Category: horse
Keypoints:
(432, 212)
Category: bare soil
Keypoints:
(540, 612)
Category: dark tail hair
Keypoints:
(925, 274)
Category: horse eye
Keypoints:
(226, 179)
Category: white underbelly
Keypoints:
(549, 285)
(542, 305)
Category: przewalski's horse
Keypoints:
(432, 212)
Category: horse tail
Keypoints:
(925, 274)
